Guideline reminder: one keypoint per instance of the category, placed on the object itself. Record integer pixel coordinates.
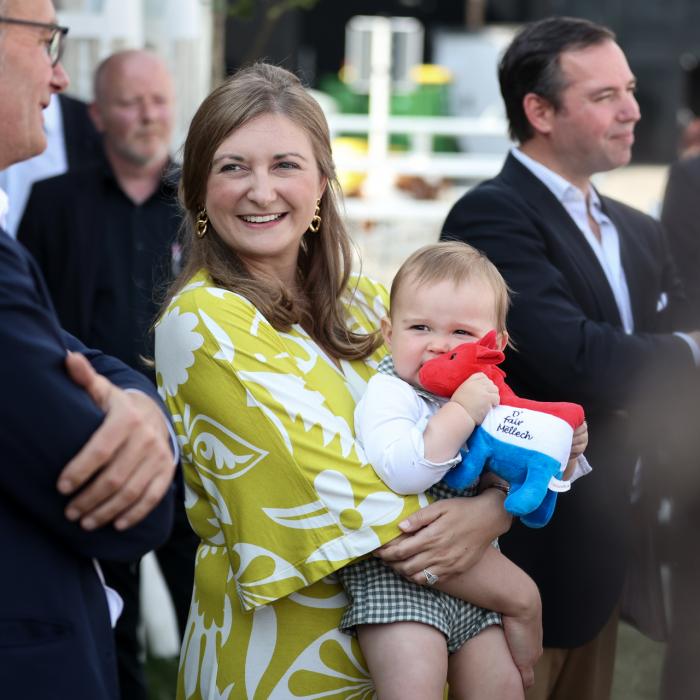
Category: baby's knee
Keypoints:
(509, 684)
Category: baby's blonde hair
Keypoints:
(456, 262)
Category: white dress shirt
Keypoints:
(4, 205)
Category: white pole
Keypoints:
(378, 182)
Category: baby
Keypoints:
(444, 295)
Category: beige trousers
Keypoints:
(581, 673)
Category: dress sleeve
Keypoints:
(390, 420)
(265, 423)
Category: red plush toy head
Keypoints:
(442, 376)
(445, 373)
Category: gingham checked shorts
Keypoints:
(378, 595)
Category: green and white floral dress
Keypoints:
(277, 489)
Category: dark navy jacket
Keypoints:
(55, 635)
(571, 347)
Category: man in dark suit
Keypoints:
(594, 293)
(105, 238)
(86, 455)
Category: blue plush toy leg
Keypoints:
(473, 461)
(542, 515)
(526, 499)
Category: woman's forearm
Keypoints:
(447, 537)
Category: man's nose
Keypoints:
(149, 110)
(59, 78)
(630, 109)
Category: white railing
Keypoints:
(381, 167)
(465, 168)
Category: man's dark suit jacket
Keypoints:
(82, 141)
(105, 259)
(680, 216)
(55, 635)
(571, 346)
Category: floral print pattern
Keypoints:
(278, 491)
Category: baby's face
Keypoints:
(432, 319)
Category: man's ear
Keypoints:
(94, 112)
(502, 340)
(539, 112)
(386, 331)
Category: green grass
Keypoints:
(637, 666)
(161, 675)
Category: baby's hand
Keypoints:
(579, 442)
(477, 395)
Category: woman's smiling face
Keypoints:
(262, 191)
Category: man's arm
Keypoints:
(47, 419)
(127, 415)
(680, 216)
(562, 348)
(127, 466)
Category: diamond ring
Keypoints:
(430, 578)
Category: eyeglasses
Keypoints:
(54, 44)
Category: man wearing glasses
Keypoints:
(86, 456)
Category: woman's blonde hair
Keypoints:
(456, 262)
(325, 257)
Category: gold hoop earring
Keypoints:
(315, 224)
(202, 223)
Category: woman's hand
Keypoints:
(447, 537)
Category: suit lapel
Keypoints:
(69, 130)
(631, 263)
(565, 232)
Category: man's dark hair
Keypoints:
(531, 64)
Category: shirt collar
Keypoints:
(595, 205)
(386, 366)
(4, 207)
(561, 188)
(169, 179)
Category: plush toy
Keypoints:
(525, 442)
